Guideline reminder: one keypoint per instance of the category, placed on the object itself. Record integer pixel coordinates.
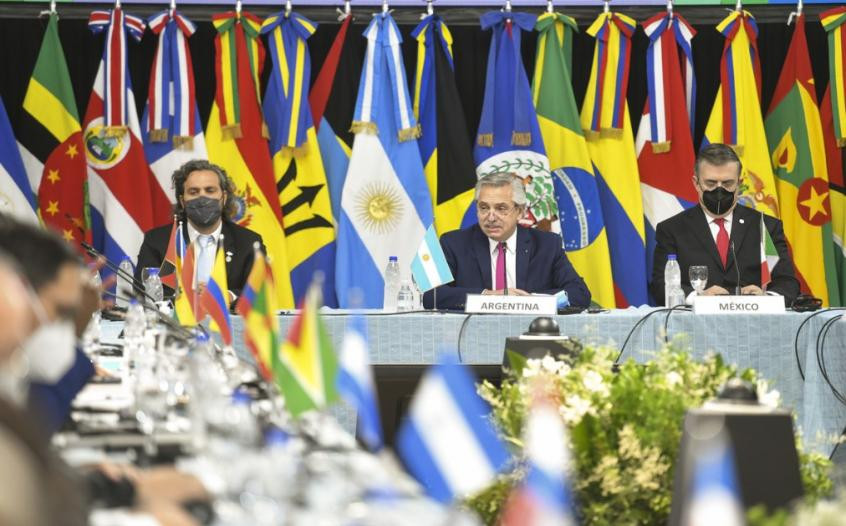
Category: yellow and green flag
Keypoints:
(794, 133)
(736, 116)
(579, 208)
(258, 306)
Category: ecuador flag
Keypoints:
(794, 133)
(444, 145)
(236, 138)
(736, 116)
(579, 209)
(605, 120)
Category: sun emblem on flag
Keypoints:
(104, 150)
(379, 207)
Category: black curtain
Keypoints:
(21, 33)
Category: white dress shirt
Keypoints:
(715, 228)
(510, 260)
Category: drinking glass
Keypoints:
(698, 275)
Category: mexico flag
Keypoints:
(769, 255)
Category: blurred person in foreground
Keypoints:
(496, 257)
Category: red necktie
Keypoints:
(722, 240)
(500, 267)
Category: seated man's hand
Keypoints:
(715, 290)
(752, 290)
(168, 484)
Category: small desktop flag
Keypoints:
(185, 299)
(19, 201)
(448, 441)
(544, 496)
(215, 297)
(769, 255)
(429, 266)
(714, 494)
(257, 305)
(355, 383)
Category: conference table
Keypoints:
(764, 342)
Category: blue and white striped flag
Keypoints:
(714, 492)
(448, 441)
(429, 266)
(16, 196)
(355, 383)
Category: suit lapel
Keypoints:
(228, 247)
(523, 252)
(698, 224)
(481, 248)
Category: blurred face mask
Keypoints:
(50, 351)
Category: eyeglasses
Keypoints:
(500, 210)
(730, 186)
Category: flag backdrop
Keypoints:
(444, 146)
(795, 137)
(170, 126)
(16, 197)
(123, 192)
(509, 138)
(736, 115)
(50, 139)
(576, 193)
(300, 177)
(664, 142)
(236, 138)
(605, 121)
(386, 207)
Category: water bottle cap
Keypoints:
(152, 271)
(671, 257)
(239, 396)
(275, 436)
(392, 258)
(201, 337)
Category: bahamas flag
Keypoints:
(606, 124)
(236, 137)
(215, 297)
(444, 146)
(257, 304)
(664, 143)
(50, 141)
(298, 167)
(16, 197)
(794, 133)
(509, 138)
(576, 193)
(171, 127)
(332, 105)
(307, 368)
(386, 207)
(736, 116)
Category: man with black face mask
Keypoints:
(205, 204)
(718, 230)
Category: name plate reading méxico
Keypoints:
(738, 304)
(479, 304)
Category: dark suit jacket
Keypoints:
(52, 402)
(237, 241)
(688, 235)
(542, 266)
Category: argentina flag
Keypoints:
(356, 385)
(385, 205)
(429, 266)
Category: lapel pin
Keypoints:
(740, 221)
(228, 256)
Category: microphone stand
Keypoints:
(737, 269)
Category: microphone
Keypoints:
(136, 285)
(736, 268)
(504, 267)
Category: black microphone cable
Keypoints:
(681, 306)
(799, 331)
(461, 335)
(639, 323)
(821, 337)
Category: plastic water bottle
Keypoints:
(392, 285)
(673, 293)
(405, 297)
(153, 285)
(418, 295)
(134, 326)
(124, 285)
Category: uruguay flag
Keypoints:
(448, 442)
(171, 129)
(385, 204)
(355, 383)
(16, 197)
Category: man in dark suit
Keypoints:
(495, 257)
(718, 230)
(205, 204)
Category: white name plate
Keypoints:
(538, 305)
(738, 304)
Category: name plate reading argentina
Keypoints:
(537, 305)
(738, 304)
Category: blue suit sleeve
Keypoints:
(566, 278)
(53, 402)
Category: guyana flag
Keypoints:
(576, 191)
(257, 305)
(444, 144)
(794, 133)
(51, 140)
(307, 367)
